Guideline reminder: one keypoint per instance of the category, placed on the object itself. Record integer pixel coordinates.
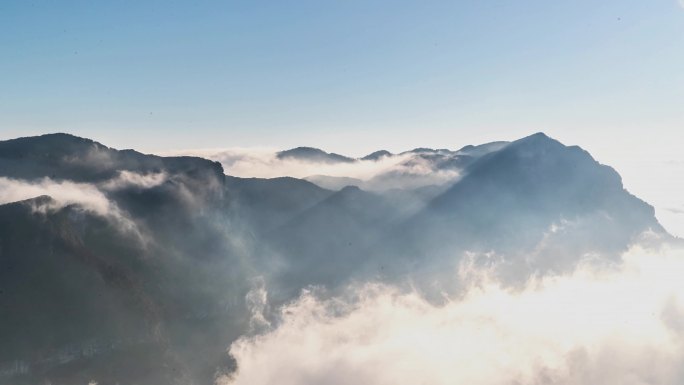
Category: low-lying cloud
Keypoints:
(64, 193)
(89, 197)
(598, 325)
(398, 171)
(264, 163)
(126, 179)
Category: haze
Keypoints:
(339, 192)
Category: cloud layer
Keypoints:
(399, 171)
(63, 192)
(89, 196)
(263, 163)
(619, 325)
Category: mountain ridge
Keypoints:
(158, 283)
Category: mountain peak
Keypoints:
(55, 141)
(63, 135)
(538, 144)
(313, 154)
(538, 137)
(377, 155)
(420, 150)
(350, 189)
(66, 156)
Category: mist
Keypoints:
(63, 192)
(524, 262)
(619, 324)
(401, 171)
(341, 193)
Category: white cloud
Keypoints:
(64, 193)
(131, 179)
(263, 163)
(407, 170)
(257, 301)
(595, 326)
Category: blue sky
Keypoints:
(345, 75)
(352, 76)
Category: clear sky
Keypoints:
(352, 76)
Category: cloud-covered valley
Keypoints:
(618, 324)
(409, 169)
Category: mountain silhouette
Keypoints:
(311, 154)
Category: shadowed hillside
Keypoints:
(142, 269)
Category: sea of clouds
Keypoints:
(619, 324)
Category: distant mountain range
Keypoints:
(311, 154)
(415, 168)
(122, 267)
